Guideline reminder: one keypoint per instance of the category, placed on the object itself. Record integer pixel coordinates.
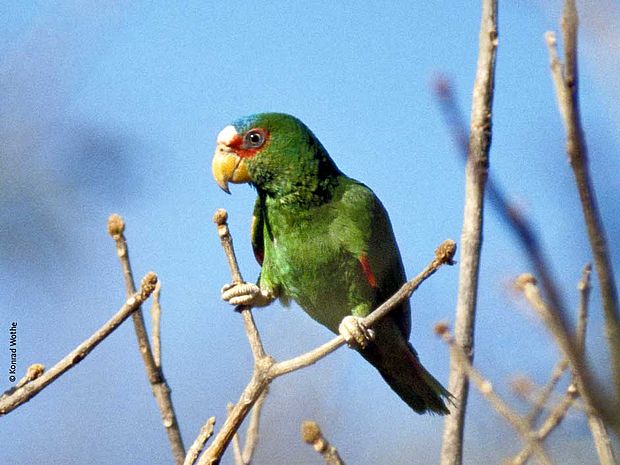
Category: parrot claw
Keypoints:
(226, 287)
(246, 294)
(355, 333)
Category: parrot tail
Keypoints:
(406, 375)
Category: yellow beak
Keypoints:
(228, 167)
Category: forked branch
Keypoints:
(37, 379)
(151, 358)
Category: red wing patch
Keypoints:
(257, 240)
(259, 255)
(370, 276)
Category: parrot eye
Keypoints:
(254, 138)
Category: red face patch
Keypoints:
(249, 144)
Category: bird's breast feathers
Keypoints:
(309, 260)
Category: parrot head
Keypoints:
(275, 152)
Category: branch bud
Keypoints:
(445, 252)
(116, 226)
(442, 328)
(310, 432)
(147, 286)
(525, 279)
(220, 217)
(34, 371)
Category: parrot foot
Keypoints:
(246, 294)
(355, 333)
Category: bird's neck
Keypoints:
(303, 194)
(310, 181)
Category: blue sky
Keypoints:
(115, 106)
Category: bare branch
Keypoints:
(258, 383)
(156, 325)
(30, 389)
(237, 454)
(581, 373)
(597, 427)
(558, 413)
(602, 442)
(545, 393)
(565, 79)
(159, 386)
(471, 236)
(245, 456)
(531, 395)
(584, 288)
(252, 434)
(527, 284)
(486, 389)
(311, 434)
(220, 218)
(196, 448)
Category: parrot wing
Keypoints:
(256, 232)
(365, 231)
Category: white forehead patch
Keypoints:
(226, 135)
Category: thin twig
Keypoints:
(559, 412)
(265, 367)
(156, 325)
(252, 434)
(584, 287)
(528, 285)
(531, 397)
(308, 358)
(552, 422)
(565, 78)
(486, 389)
(602, 442)
(544, 395)
(32, 388)
(203, 436)
(258, 383)
(220, 218)
(597, 427)
(471, 236)
(244, 457)
(236, 443)
(311, 434)
(155, 374)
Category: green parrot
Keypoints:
(325, 241)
